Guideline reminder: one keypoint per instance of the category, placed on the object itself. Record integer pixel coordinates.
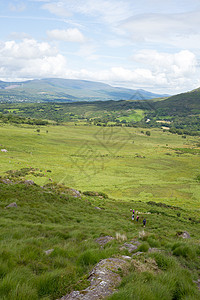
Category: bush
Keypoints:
(144, 247)
(152, 242)
(87, 258)
(185, 251)
(148, 133)
(164, 262)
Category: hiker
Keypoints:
(137, 218)
(144, 222)
(133, 215)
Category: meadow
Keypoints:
(123, 162)
(155, 174)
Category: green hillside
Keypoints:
(70, 185)
(50, 219)
(66, 90)
(181, 104)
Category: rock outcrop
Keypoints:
(104, 278)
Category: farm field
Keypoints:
(123, 162)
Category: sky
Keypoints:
(147, 44)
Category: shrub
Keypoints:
(152, 242)
(90, 193)
(104, 195)
(164, 262)
(148, 133)
(185, 251)
(180, 283)
(87, 258)
(144, 247)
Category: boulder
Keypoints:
(104, 278)
(104, 240)
(47, 252)
(6, 181)
(131, 246)
(184, 234)
(29, 182)
(13, 204)
(76, 193)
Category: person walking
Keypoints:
(133, 215)
(144, 222)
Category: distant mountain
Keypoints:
(67, 90)
(181, 104)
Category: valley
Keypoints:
(71, 174)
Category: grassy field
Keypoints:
(49, 219)
(136, 171)
(123, 162)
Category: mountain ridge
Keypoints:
(67, 90)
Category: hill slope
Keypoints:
(181, 104)
(58, 90)
(49, 244)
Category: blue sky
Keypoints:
(153, 45)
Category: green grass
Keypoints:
(48, 219)
(125, 164)
(134, 171)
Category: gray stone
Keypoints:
(126, 257)
(29, 182)
(137, 253)
(104, 240)
(185, 235)
(6, 181)
(103, 280)
(152, 250)
(13, 204)
(197, 283)
(47, 252)
(131, 246)
(76, 193)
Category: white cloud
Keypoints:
(67, 35)
(57, 8)
(27, 49)
(180, 30)
(177, 69)
(30, 59)
(108, 10)
(157, 70)
(182, 63)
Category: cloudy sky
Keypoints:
(149, 44)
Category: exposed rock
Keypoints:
(197, 283)
(104, 240)
(103, 278)
(47, 252)
(6, 181)
(152, 250)
(184, 235)
(137, 253)
(4, 150)
(13, 204)
(96, 207)
(75, 193)
(131, 246)
(126, 257)
(29, 182)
